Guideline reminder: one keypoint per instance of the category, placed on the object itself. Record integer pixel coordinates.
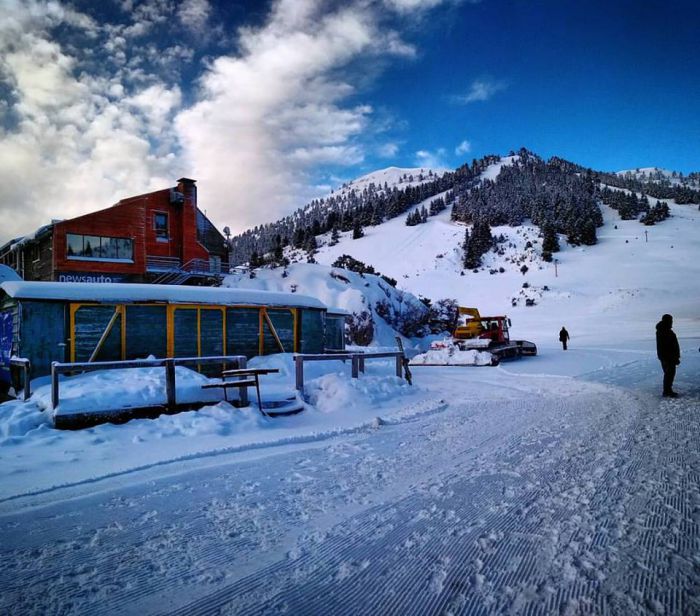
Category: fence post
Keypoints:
(170, 384)
(243, 391)
(362, 363)
(54, 386)
(27, 373)
(399, 365)
(299, 361)
(355, 366)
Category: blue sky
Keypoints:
(270, 104)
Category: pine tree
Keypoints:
(550, 241)
(277, 250)
(357, 231)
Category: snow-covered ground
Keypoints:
(558, 484)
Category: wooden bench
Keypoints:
(247, 377)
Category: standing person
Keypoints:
(563, 337)
(668, 352)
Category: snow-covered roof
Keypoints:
(124, 292)
(338, 312)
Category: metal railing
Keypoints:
(58, 368)
(357, 363)
(176, 273)
(162, 264)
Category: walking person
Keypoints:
(668, 352)
(564, 337)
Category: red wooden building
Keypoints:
(157, 237)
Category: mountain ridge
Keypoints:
(564, 194)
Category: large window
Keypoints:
(97, 247)
(160, 225)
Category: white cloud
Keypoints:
(78, 146)
(194, 14)
(388, 150)
(269, 116)
(409, 6)
(463, 148)
(480, 90)
(431, 160)
(90, 126)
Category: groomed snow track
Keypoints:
(578, 503)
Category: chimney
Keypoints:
(188, 188)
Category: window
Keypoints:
(160, 225)
(99, 248)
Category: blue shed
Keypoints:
(76, 322)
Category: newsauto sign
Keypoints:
(83, 277)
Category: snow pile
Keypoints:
(355, 293)
(36, 456)
(333, 393)
(450, 355)
(18, 419)
(110, 390)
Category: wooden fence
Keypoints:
(57, 368)
(357, 363)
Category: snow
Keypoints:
(562, 483)
(112, 390)
(75, 291)
(343, 291)
(584, 292)
(450, 355)
(491, 172)
(391, 176)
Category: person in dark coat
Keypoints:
(668, 352)
(563, 337)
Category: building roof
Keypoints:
(175, 294)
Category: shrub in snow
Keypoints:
(354, 265)
(443, 316)
(359, 328)
(529, 302)
(410, 319)
(524, 269)
(340, 277)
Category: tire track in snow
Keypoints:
(548, 505)
(475, 546)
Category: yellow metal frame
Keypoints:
(263, 318)
(119, 309)
(170, 324)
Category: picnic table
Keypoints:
(245, 377)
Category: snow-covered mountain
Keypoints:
(659, 175)
(386, 179)
(641, 263)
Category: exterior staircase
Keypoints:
(169, 270)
